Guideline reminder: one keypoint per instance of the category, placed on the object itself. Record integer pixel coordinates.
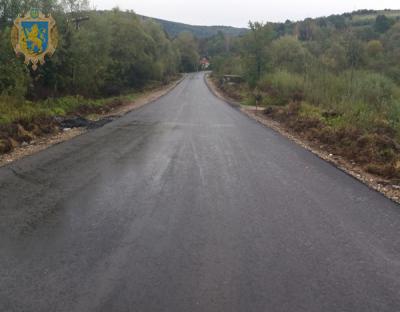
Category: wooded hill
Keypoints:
(174, 29)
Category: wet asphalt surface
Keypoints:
(188, 205)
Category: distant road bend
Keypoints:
(188, 205)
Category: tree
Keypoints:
(187, 47)
(374, 48)
(165, 56)
(289, 54)
(75, 5)
(335, 57)
(306, 30)
(391, 42)
(354, 51)
(338, 21)
(382, 24)
(255, 52)
(14, 77)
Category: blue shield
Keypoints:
(36, 35)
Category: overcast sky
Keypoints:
(239, 12)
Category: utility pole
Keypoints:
(79, 20)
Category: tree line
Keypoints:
(99, 54)
(330, 62)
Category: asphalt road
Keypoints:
(188, 205)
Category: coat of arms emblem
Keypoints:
(34, 36)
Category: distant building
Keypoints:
(204, 63)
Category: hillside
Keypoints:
(173, 29)
(370, 15)
(361, 18)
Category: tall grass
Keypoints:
(13, 109)
(361, 99)
(281, 87)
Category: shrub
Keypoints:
(324, 88)
(373, 88)
(282, 87)
(288, 53)
(310, 111)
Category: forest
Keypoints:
(100, 55)
(334, 80)
(173, 29)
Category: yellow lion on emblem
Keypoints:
(34, 37)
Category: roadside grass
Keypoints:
(17, 110)
(23, 121)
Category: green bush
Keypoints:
(323, 88)
(226, 66)
(288, 53)
(375, 89)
